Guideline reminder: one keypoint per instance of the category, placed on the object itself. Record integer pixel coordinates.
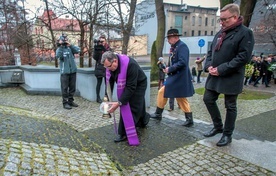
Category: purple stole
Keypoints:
(125, 109)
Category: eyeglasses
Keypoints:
(109, 65)
(225, 19)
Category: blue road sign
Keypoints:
(201, 43)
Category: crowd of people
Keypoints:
(259, 70)
(227, 63)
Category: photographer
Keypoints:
(65, 54)
(99, 48)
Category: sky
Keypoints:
(34, 4)
(202, 3)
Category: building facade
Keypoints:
(191, 21)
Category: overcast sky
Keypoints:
(202, 3)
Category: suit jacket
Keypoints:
(230, 60)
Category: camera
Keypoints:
(64, 40)
(99, 49)
(98, 42)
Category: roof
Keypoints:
(59, 24)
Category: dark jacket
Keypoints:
(97, 55)
(230, 60)
(179, 82)
(66, 57)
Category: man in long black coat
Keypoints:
(230, 51)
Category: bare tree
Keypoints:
(14, 30)
(159, 43)
(125, 19)
(264, 31)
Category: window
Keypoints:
(193, 33)
(206, 21)
(212, 33)
(193, 20)
(199, 33)
(206, 33)
(199, 21)
(213, 22)
(179, 23)
(185, 33)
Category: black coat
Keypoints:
(97, 55)
(134, 93)
(230, 60)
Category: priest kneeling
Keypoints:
(131, 88)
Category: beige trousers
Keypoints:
(182, 102)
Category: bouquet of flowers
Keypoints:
(249, 69)
(272, 67)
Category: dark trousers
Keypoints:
(198, 76)
(171, 103)
(230, 101)
(246, 81)
(257, 80)
(98, 86)
(68, 87)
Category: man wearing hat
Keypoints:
(178, 84)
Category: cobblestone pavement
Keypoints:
(39, 137)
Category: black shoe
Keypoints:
(188, 123)
(225, 140)
(73, 104)
(146, 120)
(67, 106)
(120, 138)
(156, 116)
(99, 100)
(255, 85)
(213, 132)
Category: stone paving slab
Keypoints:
(197, 159)
(23, 158)
(88, 133)
(157, 138)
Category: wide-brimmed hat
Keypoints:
(173, 32)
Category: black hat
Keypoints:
(173, 32)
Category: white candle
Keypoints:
(105, 108)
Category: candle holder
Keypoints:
(104, 107)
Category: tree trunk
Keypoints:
(247, 8)
(224, 2)
(128, 27)
(157, 48)
(160, 27)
